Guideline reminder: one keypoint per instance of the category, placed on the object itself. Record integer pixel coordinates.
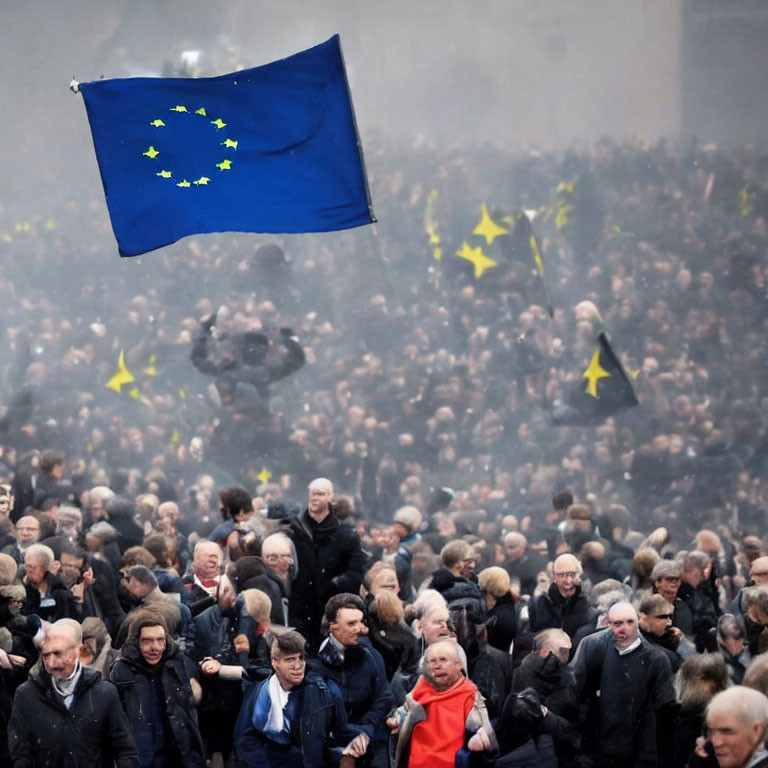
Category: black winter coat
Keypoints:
(330, 561)
(92, 733)
(138, 685)
(553, 611)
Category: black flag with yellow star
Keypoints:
(603, 390)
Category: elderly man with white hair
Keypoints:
(737, 720)
(65, 714)
(329, 558)
(47, 596)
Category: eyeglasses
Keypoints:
(278, 557)
(566, 575)
(665, 616)
(14, 600)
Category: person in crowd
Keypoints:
(359, 672)
(92, 585)
(27, 534)
(522, 564)
(279, 556)
(694, 574)
(294, 719)
(732, 644)
(701, 677)
(443, 715)
(145, 591)
(203, 582)
(623, 729)
(501, 623)
(65, 714)
(47, 597)
(666, 580)
(737, 720)
(563, 605)
(329, 557)
(655, 616)
(155, 683)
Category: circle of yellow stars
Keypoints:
(229, 144)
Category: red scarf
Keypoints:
(436, 740)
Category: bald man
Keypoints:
(329, 557)
(562, 606)
(626, 684)
(65, 714)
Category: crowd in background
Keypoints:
(423, 393)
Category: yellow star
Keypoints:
(201, 181)
(264, 476)
(164, 174)
(151, 370)
(178, 108)
(487, 227)
(158, 123)
(183, 183)
(594, 373)
(229, 143)
(201, 111)
(224, 165)
(123, 375)
(151, 152)
(478, 259)
(175, 436)
(218, 122)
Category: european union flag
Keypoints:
(270, 149)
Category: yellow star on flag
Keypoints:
(183, 183)
(178, 108)
(151, 152)
(201, 111)
(594, 373)
(202, 181)
(158, 123)
(487, 227)
(151, 370)
(224, 165)
(164, 174)
(123, 375)
(477, 258)
(229, 143)
(219, 123)
(264, 476)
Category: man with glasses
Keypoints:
(666, 581)
(27, 534)
(626, 685)
(292, 719)
(279, 556)
(562, 606)
(656, 616)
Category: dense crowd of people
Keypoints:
(466, 583)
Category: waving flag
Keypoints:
(270, 149)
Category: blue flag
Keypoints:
(270, 149)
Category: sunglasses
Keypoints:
(665, 616)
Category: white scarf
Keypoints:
(279, 698)
(66, 687)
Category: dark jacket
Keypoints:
(502, 623)
(319, 729)
(57, 603)
(362, 680)
(159, 705)
(704, 615)
(553, 611)
(92, 733)
(620, 726)
(330, 561)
